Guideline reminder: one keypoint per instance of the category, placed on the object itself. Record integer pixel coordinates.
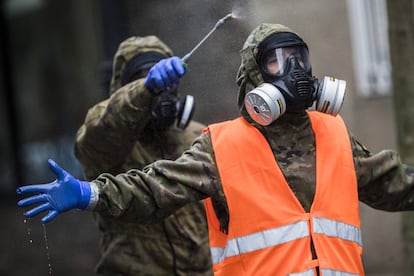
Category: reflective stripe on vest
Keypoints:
(260, 240)
(287, 233)
(325, 272)
(337, 229)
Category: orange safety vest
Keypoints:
(269, 231)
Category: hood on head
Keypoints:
(248, 75)
(129, 49)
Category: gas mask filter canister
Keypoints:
(185, 112)
(266, 103)
(330, 95)
(170, 109)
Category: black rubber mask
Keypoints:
(296, 85)
(284, 62)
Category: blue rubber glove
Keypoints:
(165, 75)
(61, 195)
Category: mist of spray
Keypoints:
(219, 23)
(240, 9)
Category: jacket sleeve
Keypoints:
(111, 127)
(162, 187)
(384, 181)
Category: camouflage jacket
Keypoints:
(384, 182)
(114, 139)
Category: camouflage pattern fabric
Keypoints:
(115, 138)
(384, 182)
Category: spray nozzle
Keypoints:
(224, 19)
(218, 24)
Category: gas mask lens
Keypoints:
(275, 60)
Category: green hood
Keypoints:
(249, 75)
(130, 48)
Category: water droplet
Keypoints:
(47, 249)
(29, 232)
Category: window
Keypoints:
(370, 47)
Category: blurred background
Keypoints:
(55, 61)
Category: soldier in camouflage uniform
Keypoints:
(383, 181)
(118, 135)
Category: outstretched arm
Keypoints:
(137, 195)
(384, 181)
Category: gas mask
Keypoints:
(169, 108)
(290, 87)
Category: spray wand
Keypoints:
(218, 25)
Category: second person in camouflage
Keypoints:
(129, 130)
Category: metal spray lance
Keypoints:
(218, 25)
